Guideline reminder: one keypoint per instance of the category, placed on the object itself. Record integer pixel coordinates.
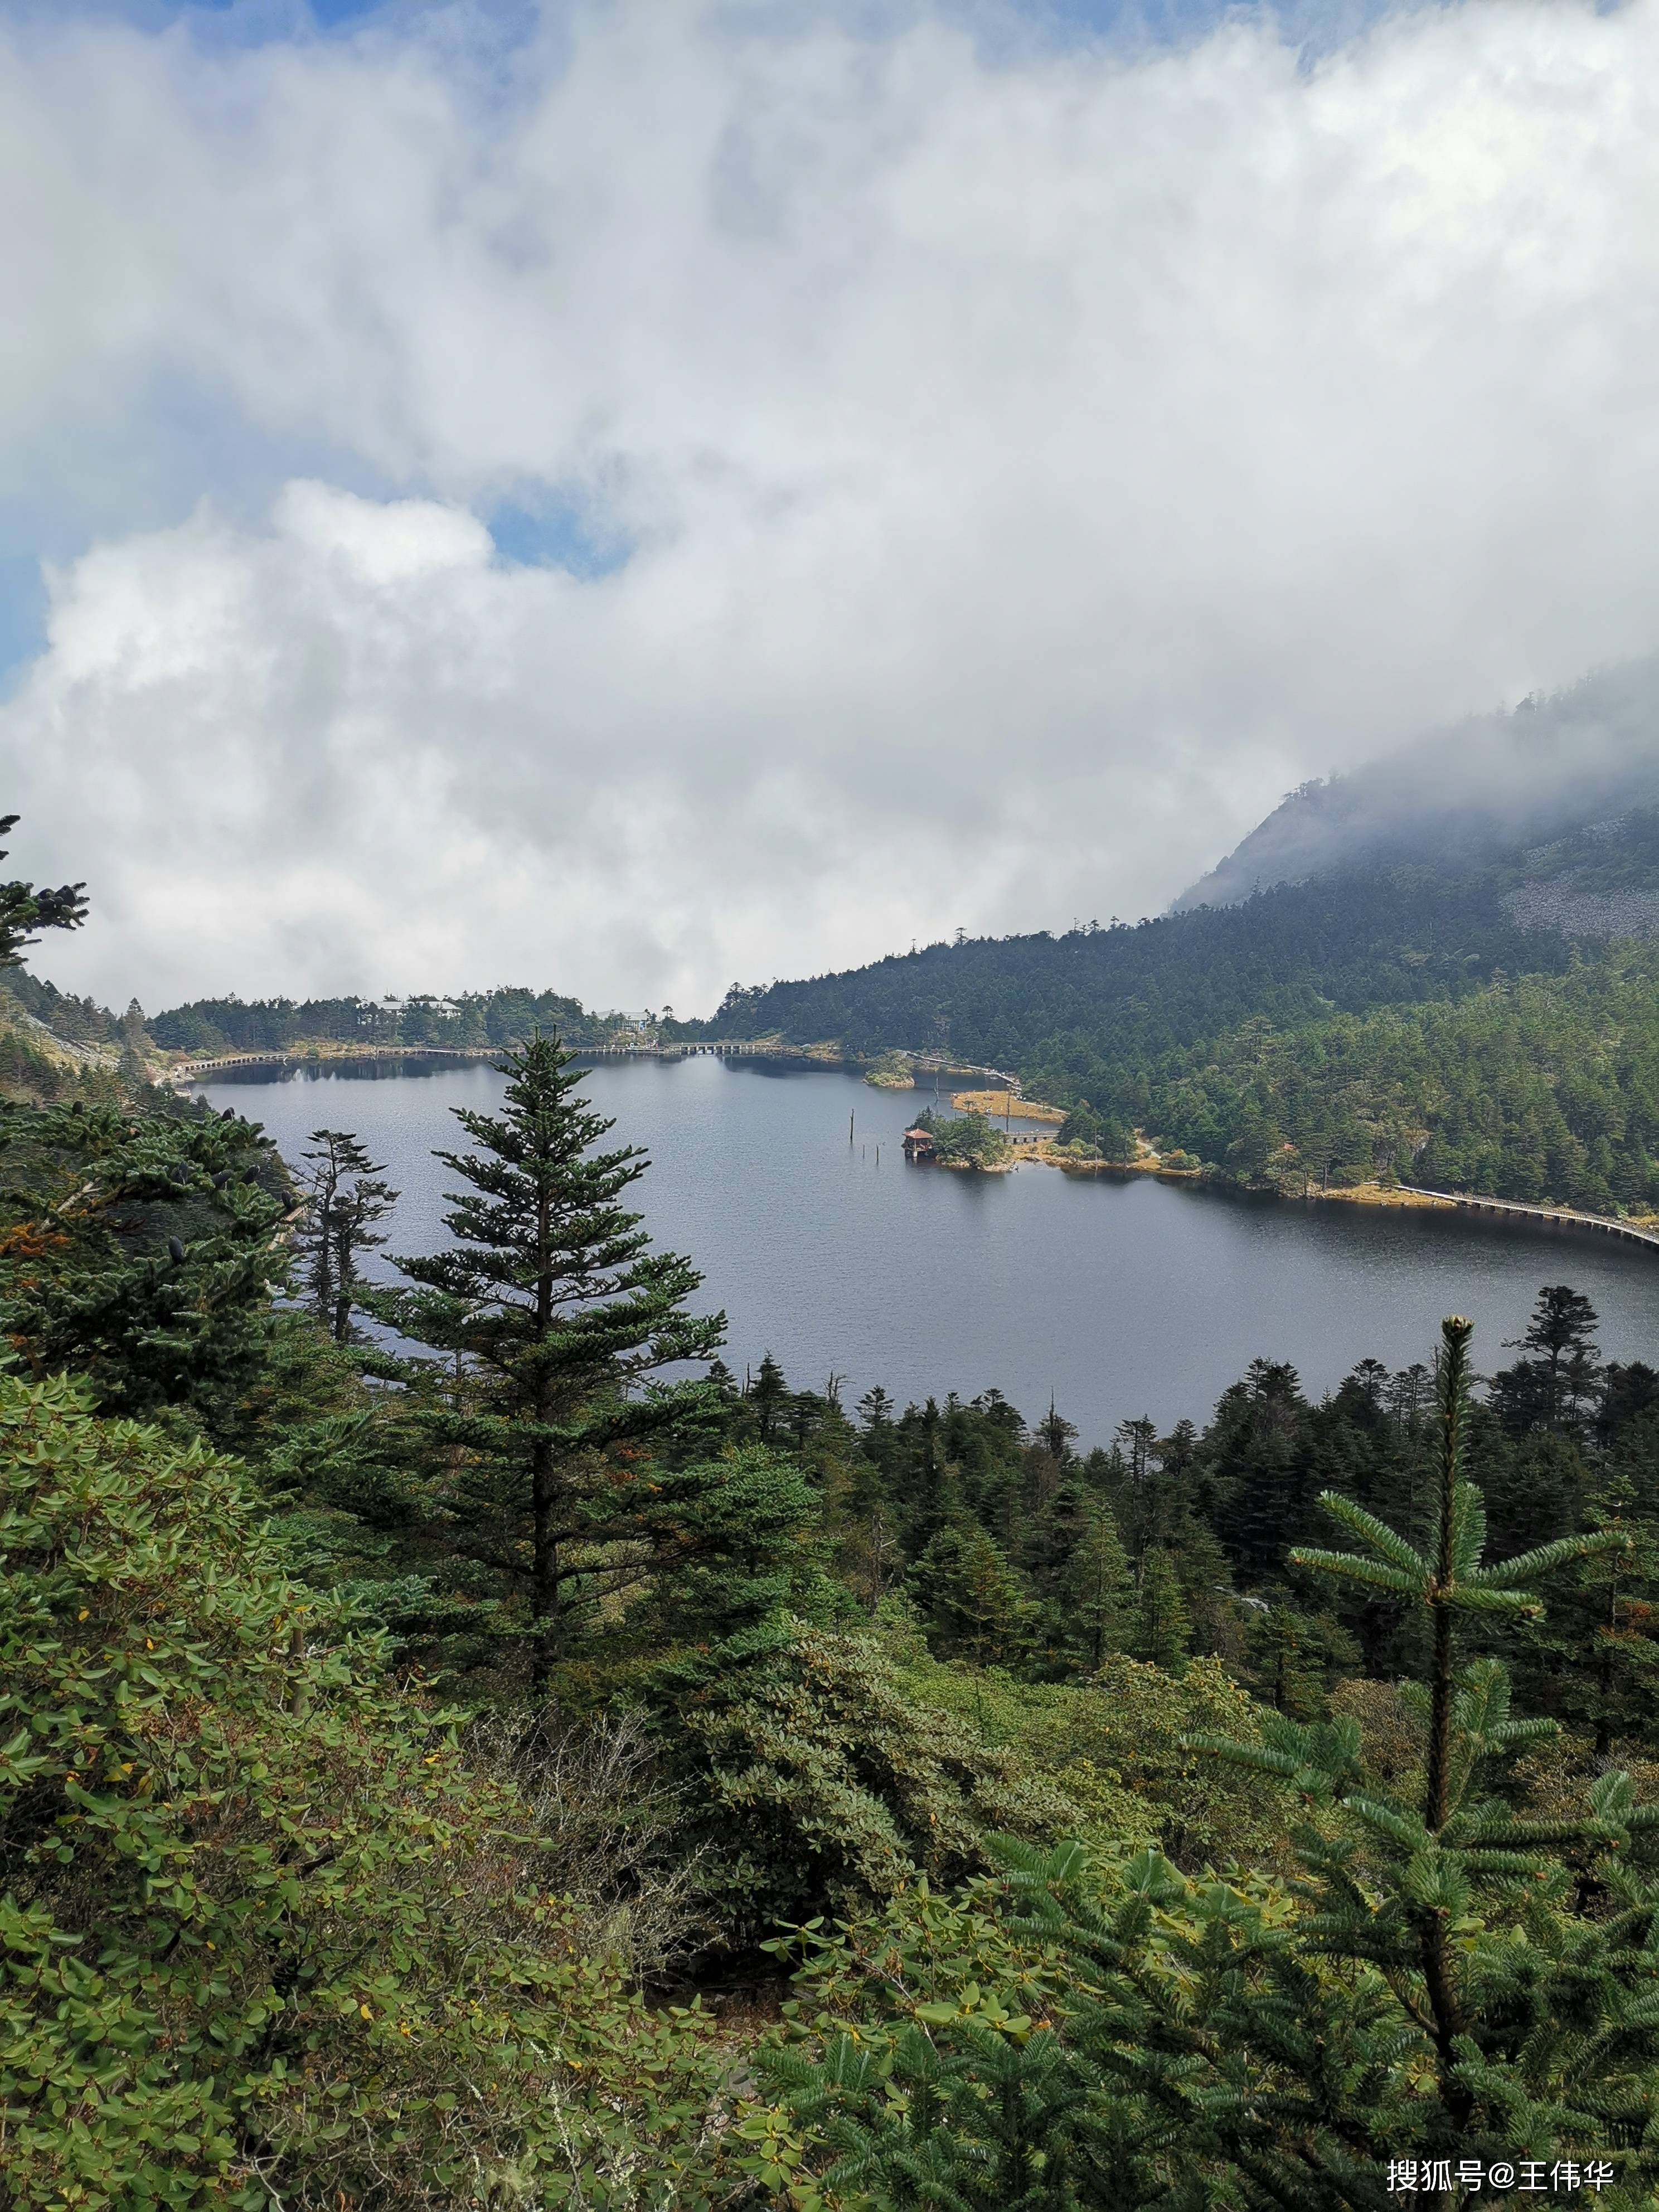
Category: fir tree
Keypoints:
(723, 1382)
(921, 1469)
(807, 1414)
(1056, 1434)
(346, 1200)
(1137, 1441)
(25, 909)
(768, 1398)
(1596, 1657)
(875, 1410)
(356, 1213)
(879, 1431)
(1288, 1652)
(1532, 2014)
(557, 1316)
(1630, 1391)
(1162, 1626)
(1150, 1499)
(740, 1530)
(1096, 1587)
(164, 1237)
(1263, 1469)
(1549, 1390)
(1177, 1451)
(1410, 1392)
(971, 1597)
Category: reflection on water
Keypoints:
(1122, 1296)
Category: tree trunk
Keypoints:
(322, 1265)
(1439, 1978)
(1604, 1671)
(544, 1576)
(544, 1549)
(344, 1275)
(1436, 1795)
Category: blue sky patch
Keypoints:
(1320, 25)
(553, 533)
(262, 22)
(22, 616)
(236, 22)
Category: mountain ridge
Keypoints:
(1545, 769)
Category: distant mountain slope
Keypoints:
(1465, 794)
(1384, 938)
(1418, 878)
(1462, 1008)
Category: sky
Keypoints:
(628, 498)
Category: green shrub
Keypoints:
(1117, 1749)
(265, 1936)
(826, 1784)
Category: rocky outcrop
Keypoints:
(1555, 904)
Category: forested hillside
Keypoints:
(1377, 939)
(1485, 1025)
(472, 1019)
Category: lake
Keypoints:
(1119, 1297)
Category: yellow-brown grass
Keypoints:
(996, 1104)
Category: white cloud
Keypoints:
(1032, 467)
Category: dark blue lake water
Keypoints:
(1120, 1297)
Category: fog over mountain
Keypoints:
(1551, 766)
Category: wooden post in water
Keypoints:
(850, 1118)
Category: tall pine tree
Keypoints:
(554, 1316)
(345, 1199)
(1096, 1593)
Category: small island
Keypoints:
(963, 1140)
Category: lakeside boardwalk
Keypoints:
(1551, 1216)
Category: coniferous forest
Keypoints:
(460, 1746)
